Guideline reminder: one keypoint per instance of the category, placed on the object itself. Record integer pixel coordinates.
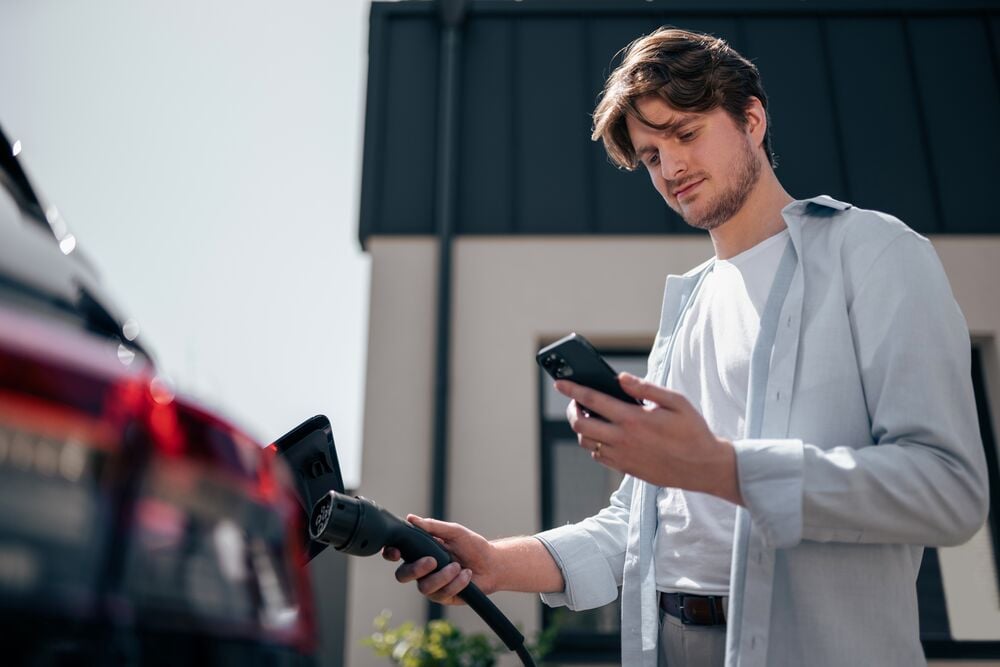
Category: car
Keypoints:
(136, 527)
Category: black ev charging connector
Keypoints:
(358, 527)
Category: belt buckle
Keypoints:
(713, 613)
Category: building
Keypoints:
(485, 207)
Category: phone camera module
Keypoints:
(564, 371)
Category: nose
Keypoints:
(672, 165)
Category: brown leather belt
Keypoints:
(695, 609)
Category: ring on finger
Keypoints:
(597, 449)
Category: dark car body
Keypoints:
(135, 526)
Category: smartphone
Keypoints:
(574, 358)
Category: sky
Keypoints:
(207, 156)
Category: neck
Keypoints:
(758, 219)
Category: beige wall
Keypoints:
(509, 294)
(398, 424)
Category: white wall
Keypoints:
(207, 155)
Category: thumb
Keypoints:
(648, 391)
(442, 529)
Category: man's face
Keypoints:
(703, 165)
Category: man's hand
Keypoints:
(666, 442)
(473, 561)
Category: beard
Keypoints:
(745, 174)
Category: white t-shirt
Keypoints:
(710, 365)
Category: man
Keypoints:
(809, 421)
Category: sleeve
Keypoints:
(591, 554)
(922, 479)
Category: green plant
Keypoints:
(440, 644)
(437, 644)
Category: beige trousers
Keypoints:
(690, 645)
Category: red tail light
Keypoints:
(123, 507)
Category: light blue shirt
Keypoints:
(862, 446)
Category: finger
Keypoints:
(607, 457)
(643, 390)
(598, 430)
(577, 411)
(448, 593)
(391, 553)
(596, 401)
(432, 583)
(574, 413)
(600, 451)
(443, 529)
(408, 572)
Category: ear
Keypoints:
(756, 119)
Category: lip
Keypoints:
(687, 189)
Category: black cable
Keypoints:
(525, 657)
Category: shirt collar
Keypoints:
(802, 210)
(800, 206)
(793, 212)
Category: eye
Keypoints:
(687, 135)
(654, 158)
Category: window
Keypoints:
(935, 629)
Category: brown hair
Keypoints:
(690, 71)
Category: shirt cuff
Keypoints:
(770, 474)
(588, 579)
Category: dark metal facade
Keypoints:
(889, 105)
